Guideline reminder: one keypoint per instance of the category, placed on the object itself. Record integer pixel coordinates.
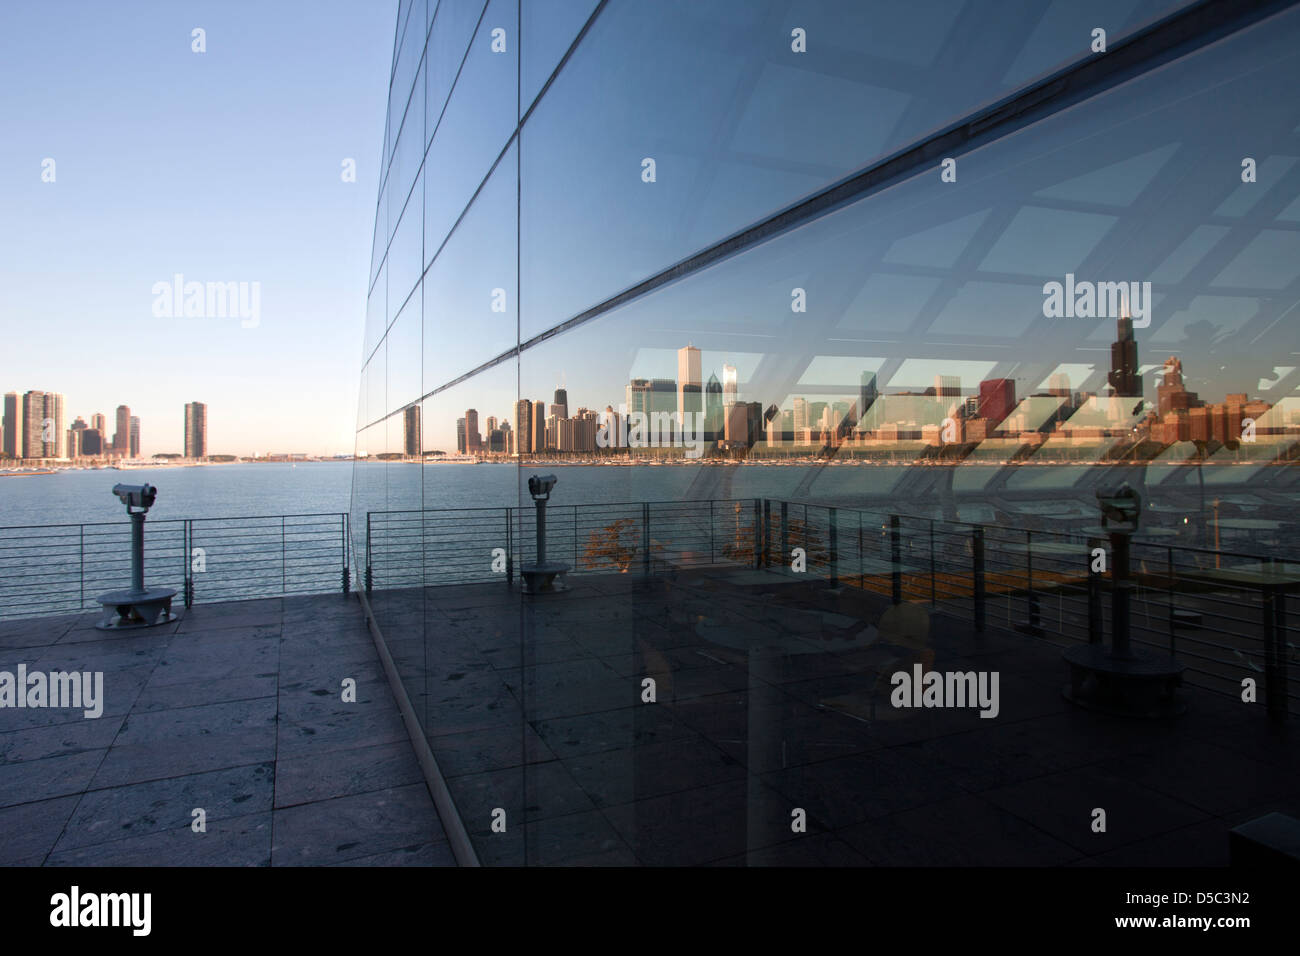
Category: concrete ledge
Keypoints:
(457, 837)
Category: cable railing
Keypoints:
(62, 569)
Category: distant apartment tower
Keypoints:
(690, 385)
(523, 427)
(42, 425)
(99, 422)
(196, 430)
(538, 423)
(14, 446)
(473, 437)
(867, 394)
(638, 395)
(461, 444)
(135, 437)
(411, 431)
(122, 436)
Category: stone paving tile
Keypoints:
(117, 813)
(333, 831)
(613, 777)
(424, 854)
(31, 829)
(31, 780)
(58, 740)
(194, 693)
(637, 725)
(809, 850)
(238, 841)
(1062, 805)
(181, 756)
(528, 793)
(345, 772)
(961, 831)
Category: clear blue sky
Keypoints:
(223, 166)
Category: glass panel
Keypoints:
(479, 120)
(470, 296)
(548, 27)
(404, 255)
(453, 26)
(739, 125)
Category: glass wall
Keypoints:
(833, 321)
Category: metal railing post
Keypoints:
(758, 535)
(347, 572)
(510, 551)
(1095, 621)
(895, 560)
(645, 538)
(785, 533)
(1034, 620)
(370, 572)
(1274, 650)
(932, 588)
(835, 549)
(81, 575)
(711, 532)
(767, 533)
(977, 544)
(1172, 590)
(188, 536)
(283, 557)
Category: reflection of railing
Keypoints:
(60, 569)
(1223, 613)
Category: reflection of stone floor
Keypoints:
(236, 709)
(764, 697)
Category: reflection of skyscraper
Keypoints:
(947, 385)
(523, 426)
(997, 399)
(688, 374)
(867, 394)
(638, 395)
(539, 427)
(13, 425)
(196, 430)
(1124, 379)
(730, 385)
(473, 441)
(411, 430)
(713, 424)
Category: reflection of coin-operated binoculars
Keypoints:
(1121, 509)
(136, 606)
(1119, 679)
(542, 576)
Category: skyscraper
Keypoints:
(461, 442)
(411, 430)
(688, 374)
(14, 446)
(135, 437)
(42, 425)
(560, 408)
(98, 422)
(1123, 378)
(730, 385)
(713, 427)
(997, 399)
(523, 427)
(538, 423)
(867, 394)
(473, 441)
(196, 430)
(122, 436)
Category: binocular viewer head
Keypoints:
(136, 496)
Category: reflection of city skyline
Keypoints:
(940, 415)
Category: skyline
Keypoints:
(221, 166)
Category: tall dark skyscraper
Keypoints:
(560, 409)
(473, 441)
(997, 398)
(1124, 379)
(196, 430)
(13, 425)
(411, 430)
(523, 426)
(122, 436)
(134, 444)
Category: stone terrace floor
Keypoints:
(235, 708)
(765, 696)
